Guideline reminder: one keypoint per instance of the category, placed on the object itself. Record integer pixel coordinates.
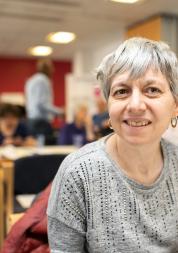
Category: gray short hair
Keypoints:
(137, 55)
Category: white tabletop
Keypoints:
(13, 153)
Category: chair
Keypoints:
(32, 174)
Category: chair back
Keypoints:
(32, 174)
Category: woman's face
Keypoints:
(141, 109)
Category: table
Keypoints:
(13, 153)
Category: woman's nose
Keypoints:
(136, 102)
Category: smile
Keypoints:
(137, 123)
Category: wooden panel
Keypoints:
(2, 232)
(150, 29)
(8, 171)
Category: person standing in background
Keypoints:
(39, 99)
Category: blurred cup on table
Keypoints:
(40, 140)
(77, 140)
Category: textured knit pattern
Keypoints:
(95, 208)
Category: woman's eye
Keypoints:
(121, 92)
(153, 91)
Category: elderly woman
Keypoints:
(120, 193)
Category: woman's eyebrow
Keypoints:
(128, 82)
(120, 82)
(154, 81)
(150, 81)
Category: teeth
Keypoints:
(137, 123)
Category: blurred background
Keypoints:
(98, 26)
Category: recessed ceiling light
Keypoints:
(126, 1)
(40, 50)
(61, 37)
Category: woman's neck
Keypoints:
(143, 163)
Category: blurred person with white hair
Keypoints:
(78, 132)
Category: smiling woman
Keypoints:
(119, 194)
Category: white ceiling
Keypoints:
(25, 23)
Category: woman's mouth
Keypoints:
(137, 123)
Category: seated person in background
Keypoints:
(101, 118)
(12, 131)
(78, 132)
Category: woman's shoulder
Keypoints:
(80, 161)
(172, 148)
(85, 153)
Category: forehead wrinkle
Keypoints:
(142, 80)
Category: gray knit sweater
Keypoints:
(95, 208)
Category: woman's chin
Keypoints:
(137, 140)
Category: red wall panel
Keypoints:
(15, 71)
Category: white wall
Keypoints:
(81, 83)
(87, 59)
